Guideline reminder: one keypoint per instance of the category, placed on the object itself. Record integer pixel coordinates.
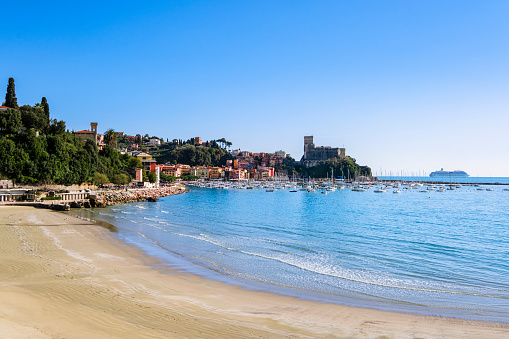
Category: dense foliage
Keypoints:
(35, 149)
(210, 154)
(346, 168)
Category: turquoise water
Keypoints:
(451, 179)
(429, 253)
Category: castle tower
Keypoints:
(308, 144)
(93, 128)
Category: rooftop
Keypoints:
(83, 132)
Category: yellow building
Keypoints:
(172, 171)
(185, 169)
(202, 172)
(143, 156)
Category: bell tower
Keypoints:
(93, 129)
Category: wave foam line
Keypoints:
(364, 281)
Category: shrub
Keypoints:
(51, 198)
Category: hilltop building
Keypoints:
(315, 155)
(280, 154)
(86, 134)
(155, 142)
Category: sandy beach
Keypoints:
(62, 277)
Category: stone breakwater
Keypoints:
(132, 195)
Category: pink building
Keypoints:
(244, 164)
(139, 175)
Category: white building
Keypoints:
(155, 142)
(280, 154)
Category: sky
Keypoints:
(407, 87)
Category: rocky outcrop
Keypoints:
(142, 194)
(95, 201)
(76, 204)
(58, 207)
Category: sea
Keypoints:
(451, 179)
(430, 253)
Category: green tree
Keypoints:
(33, 117)
(10, 121)
(152, 177)
(189, 154)
(167, 178)
(7, 162)
(10, 97)
(46, 119)
(110, 138)
(45, 106)
(56, 127)
(134, 163)
(120, 179)
(100, 179)
(346, 166)
(224, 143)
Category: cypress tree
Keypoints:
(10, 97)
(45, 106)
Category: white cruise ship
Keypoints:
(442, 173)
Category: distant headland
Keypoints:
(38, 149)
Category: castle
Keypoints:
(314, 155)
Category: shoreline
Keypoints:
(183, 260)
(63, 276)
(184, 265)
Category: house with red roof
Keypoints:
(86, 134)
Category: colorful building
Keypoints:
(215, 172)
(154, 142)
(184, 169)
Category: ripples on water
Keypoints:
(430, 253)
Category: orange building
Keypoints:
(184, 169)
(215, 172)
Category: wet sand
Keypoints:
(62, 277)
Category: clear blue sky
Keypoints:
(403, 85)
